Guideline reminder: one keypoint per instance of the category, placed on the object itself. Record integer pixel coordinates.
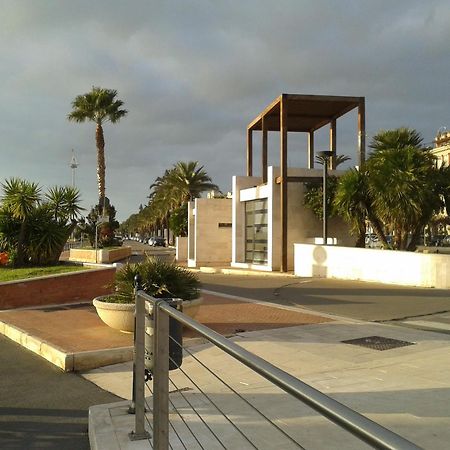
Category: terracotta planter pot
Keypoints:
(120, 316)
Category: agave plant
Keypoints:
(159, 279)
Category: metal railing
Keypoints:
(358, 425)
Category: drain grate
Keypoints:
(378, 343)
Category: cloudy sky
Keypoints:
(194, 73)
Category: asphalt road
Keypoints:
(353, 299)
(42, 407)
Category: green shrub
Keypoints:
(158, 279)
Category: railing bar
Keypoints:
(150, 438)
(241, 397)
(183, 420)
(215, 405)
(173, 428)
(357, 424)
(199, 416)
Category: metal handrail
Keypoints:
(360, 426)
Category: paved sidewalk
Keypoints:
(74, 338)
(406, 389)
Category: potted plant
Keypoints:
(159, 279)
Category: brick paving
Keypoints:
(77, 328)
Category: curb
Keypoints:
(67, 361)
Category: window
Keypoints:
(256, 231)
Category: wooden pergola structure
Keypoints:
(301, 113)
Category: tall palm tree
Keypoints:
(99, 106)
(190, 180)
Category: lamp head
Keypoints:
(325, 154)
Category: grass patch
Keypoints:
(12, 274)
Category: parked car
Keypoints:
(157, 241)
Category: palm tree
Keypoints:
(34, 229)
(20, 198)
(99, 106)
(190, 181)
(397, 138)
(339, 159)
(354, 203)
(402, 177)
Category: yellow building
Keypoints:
(442, 147)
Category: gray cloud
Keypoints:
(194, 73)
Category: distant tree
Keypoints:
(98, 106)
(105, 231)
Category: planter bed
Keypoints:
(57, 289)
(101, 256)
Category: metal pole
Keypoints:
(325, 210)
(139, 431)
(161, 379)
(96, 243)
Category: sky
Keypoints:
(194, 73)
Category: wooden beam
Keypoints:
(249, 152)
(283, 186)
(264, 150)
(361, 132)
(256, 122)
(299, 179)
(332, 164)
(311, 150)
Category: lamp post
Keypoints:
(325, 155)
(73, 166)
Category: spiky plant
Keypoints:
(159, 279)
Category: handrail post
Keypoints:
(139, 431)
(161, 379)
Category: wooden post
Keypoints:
(361, 133)
(249, 153)
(311, 149)
(332, 161)
(264, 150)
(284, 184)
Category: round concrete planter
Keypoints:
(120, 316)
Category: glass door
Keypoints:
(256, 231)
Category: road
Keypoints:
(41, 406)
(353, 299)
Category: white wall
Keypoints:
(181, 245)
(385, 266)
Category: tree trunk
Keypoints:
(361, 240)
(20, 245)
(55, 257)
(377, 227)
(101, 165)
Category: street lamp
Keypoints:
(325, 156)
(73, 165)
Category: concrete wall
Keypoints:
(57, 289)
(181, 252)
(211, 244)
(303, 225)
(385, 266)
(104, 255)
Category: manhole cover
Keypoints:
(378, 342)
